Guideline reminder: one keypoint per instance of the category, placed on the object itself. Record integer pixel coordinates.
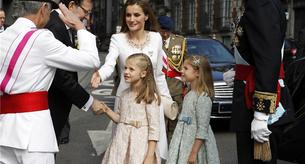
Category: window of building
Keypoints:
(225, 13)
(178, 17)
(208, 13)
(191, 15)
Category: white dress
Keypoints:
(130, 144)
(120, 49)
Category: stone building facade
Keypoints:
(203, 18)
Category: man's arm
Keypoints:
(262, 26)
(67, 83)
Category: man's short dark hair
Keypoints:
(66, 2)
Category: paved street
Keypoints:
(89, 136)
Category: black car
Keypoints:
(221, 60)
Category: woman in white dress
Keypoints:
(139, 34)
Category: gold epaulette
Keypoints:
(264, 102)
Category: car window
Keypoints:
(215, 51)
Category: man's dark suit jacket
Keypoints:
(65, 89)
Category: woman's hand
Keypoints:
(150, 159)
(96, 79)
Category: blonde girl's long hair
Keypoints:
(205, 80)
(148, 91)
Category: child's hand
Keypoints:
(97, 107)
(192, 158)
(150, 159)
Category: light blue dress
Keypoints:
(194, 122)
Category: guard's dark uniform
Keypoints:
(175, 51)
(259, 39)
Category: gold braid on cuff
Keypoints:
(264, 102)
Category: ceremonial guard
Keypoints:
(175, 48)
(261, 102)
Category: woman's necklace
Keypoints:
(139, 46)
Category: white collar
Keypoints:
(167, 42)
(25, 22)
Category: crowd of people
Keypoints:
(164, 95)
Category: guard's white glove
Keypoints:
(259, 129)
(228, 77)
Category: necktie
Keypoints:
(72, 36)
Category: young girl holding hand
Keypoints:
(138, 116)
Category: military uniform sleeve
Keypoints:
(203, 114)
(153, 118)
(58, 55)
(262, 26)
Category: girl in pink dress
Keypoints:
(137, 119)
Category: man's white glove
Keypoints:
(259, 129)
(228, 77)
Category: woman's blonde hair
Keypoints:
(205, 80)
(148, 91)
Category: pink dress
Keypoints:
(138, 124)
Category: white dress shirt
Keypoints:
(1, 29)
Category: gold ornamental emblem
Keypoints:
(176, 49)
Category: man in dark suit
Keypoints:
(65, 89)
(259, 97)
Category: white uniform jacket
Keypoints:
(34, 71)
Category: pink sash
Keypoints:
(14, 59)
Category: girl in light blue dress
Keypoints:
(193, 140)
